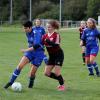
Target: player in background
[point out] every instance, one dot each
(81, 28)
(90, 37)
(56, 56)
(34, 54)
(38, 28)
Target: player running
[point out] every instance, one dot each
(56, 56)
(81, 28)
(38, 29)
(34, 54)
(90, 37)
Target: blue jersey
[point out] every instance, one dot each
(38, 33)
(35, 37)
(90, 37)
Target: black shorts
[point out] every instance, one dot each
(56, 58)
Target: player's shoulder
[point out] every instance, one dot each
(56, 33)
(45, 35)
(86, 29)
(41, 27)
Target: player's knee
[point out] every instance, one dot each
(91, 61)
(47, 74)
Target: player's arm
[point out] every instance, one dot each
(83, 39)
(98, 35)
(28, 49)
(81, 43)
(37, 42)
(34, 47)
(56, 43)
(51, 43)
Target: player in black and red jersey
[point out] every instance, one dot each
(56, 56)
(81, 28)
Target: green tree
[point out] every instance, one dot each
(93, 8)
(74, 9)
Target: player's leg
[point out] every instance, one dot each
(87, 61)
(60, 79)
(48, 71)
(89, 65)
(58, 65)
(36, 63)
(94, 64)
(17, 71)
(32, 75)
(83, 54)
(93, 55)
(48, 68)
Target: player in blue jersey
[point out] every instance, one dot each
(38, 29)
(90, 38)
(34, 54)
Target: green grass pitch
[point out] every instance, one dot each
(79, 85)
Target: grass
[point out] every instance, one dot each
(79, 85)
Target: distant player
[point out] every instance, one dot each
(90, 37)
(81, 28)
(56, 56)
(37, 28)
(34, 54)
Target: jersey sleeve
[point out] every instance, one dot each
(43, 31)
(57, 39)
(83, 37)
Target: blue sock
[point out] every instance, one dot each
(14, 75)
(96, 67)
(90, 68)
(45, 59)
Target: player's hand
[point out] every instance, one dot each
(81, 43)
(47, 40)
(23, 50)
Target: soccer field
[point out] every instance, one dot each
(79, 85)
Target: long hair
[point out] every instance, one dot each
(54, 24)
(93, 21)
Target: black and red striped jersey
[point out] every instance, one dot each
(55, 38)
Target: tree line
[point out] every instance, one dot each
(49, 9)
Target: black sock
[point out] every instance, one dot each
(59, 78)
(83, 56)
(31, 81)
(53, 75)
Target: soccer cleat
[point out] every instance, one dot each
(7, 85)
(91, 74)
(98, 74)
(31, 85)
(61, 88)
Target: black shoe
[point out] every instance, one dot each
(91, 74)
(84, 64)
(31, 82)
(30, 86)
(7, 85)
(98, 74)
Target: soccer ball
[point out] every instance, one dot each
(16, 86)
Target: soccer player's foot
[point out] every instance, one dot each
(7, 85)
(61, 88)
(91, 74)
(98, 74)
(83, 63)
(30, 85)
